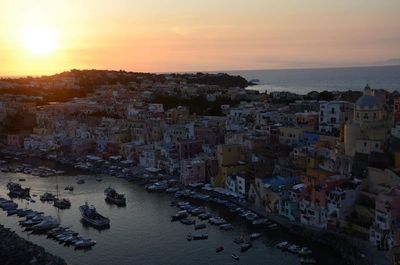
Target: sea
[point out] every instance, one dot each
(303, 81)
(142, 232)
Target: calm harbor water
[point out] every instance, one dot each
(302, 81)
(142, 233)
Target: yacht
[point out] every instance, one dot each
(92, 217)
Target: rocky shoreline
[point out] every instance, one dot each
(15, 250)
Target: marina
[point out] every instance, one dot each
(194, 210)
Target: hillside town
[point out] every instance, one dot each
(326, 160)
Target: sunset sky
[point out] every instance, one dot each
(48, 36)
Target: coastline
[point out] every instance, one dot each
(15, 250)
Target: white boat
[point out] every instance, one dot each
(85, 243)
(305, 251)
(255, 236)
(294, 249)
(235, 256)
(282, 245)
(47, 224)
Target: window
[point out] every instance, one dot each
(374, 115)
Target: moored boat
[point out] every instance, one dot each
(235, 256)
(245, 246)
(219, 249)
(200, 236)
(200, 226)
(16, 191)
(305, 251)
(62, 203)
(69, 187)
(92, 217)
(113, 196)
(282, 245)
(84, 243)
(254, 236)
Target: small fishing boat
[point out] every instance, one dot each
(200, 226)
(305, 251)
(282, 245)
(92, 217)
(69, 188)
(200, 236)
(235, 256)
(294, 249)
(254, 236)
(81, 181)
(85, 243)
(239, 240)
(189, 237)
(245, 246)
(219, 249)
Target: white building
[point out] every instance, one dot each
(236, 184)
(333, 115)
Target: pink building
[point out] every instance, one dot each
(193, 171)
(15, 140)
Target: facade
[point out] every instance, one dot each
(368, 129)
(193, 171)
(333, 115)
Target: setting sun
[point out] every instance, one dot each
(39, 41)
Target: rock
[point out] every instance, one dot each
(15, 250)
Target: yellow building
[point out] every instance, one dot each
(367, 131)
(231, 159)
(291, 135)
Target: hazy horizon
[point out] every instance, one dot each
(45, 37)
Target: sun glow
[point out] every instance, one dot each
(39, 41)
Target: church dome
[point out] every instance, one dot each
(367, 101)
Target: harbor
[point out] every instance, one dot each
(213, 225)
